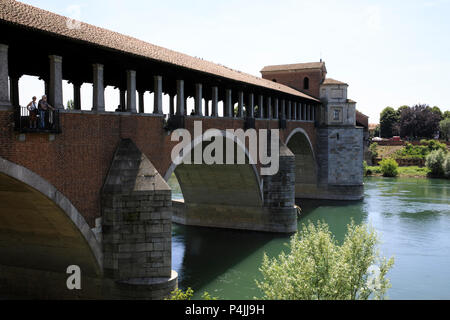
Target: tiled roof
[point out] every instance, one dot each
(296, 66)
(25, 15)
(332, 81)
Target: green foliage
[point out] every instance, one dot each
(446, 166)
(444, 127)
(389, 167)
(178, 294)
(434, 145)
(419, 151)
(446, 115)
(367, 171)
(388, 119)
(70, 105)
(374, 150)
(318, 268)
(435, 162)
(411, 171)
(437, 110)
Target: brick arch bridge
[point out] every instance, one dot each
(94, 181)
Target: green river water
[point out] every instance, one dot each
(411, 216)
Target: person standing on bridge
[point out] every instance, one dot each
(33, 109)
(44, 107)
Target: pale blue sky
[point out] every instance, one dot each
(390, 52)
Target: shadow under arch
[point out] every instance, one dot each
(40, 229)
(243, 180)
(306, 167)
(226, 196)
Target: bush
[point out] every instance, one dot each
(446, 166)
(435, 162)
(367, 171)
(178, 294)
(318, 268)
(374, 150)
(389, 167)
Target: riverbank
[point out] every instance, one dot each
(403, 172)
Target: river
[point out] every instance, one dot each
(411, 216)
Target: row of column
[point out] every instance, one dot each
(289, 110)
(268, 108)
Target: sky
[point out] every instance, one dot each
(391, 53)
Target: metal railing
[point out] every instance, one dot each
(27, 123)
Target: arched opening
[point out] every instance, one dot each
(217, 195)
(306, 83)
(41, 234)
(305, 163)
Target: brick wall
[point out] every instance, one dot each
(76, 162)
(294, 79)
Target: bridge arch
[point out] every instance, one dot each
(212, 192)
(40, 228)
(239, 144)
(306, 167)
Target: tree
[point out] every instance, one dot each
(388, 119)
(418, 121)
(318, 268)
(444, 127)
(446, 115)
(438, 112)
(70, 105)
(400, 110)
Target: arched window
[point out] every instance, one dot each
(306, 83)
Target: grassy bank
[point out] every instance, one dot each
(405, 172)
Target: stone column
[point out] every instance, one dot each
(141, 94)
(304, 112)
(283, 110)
(123, 100)
(240, 104)
(199, 99)
(99, 89)
(215, 102)
(131, 91)
(77, 95)
(206, 107)
(157, 97)
(299, 111)
(4, 93)
(294, 110)
(269, 108)
(313, 111)
(289, 110)
(276, 109)
(55, 97)
(14, 89)
(251, 106)
(180, 98)
(308, 113)
(261, 106)
(171, 104)
(228, 112)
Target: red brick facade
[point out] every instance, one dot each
(295, 79)
(77, 161)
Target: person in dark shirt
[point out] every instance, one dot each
(44, 108)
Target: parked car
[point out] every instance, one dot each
(396, 138)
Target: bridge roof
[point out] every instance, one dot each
(33, 18)
(294, 67)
